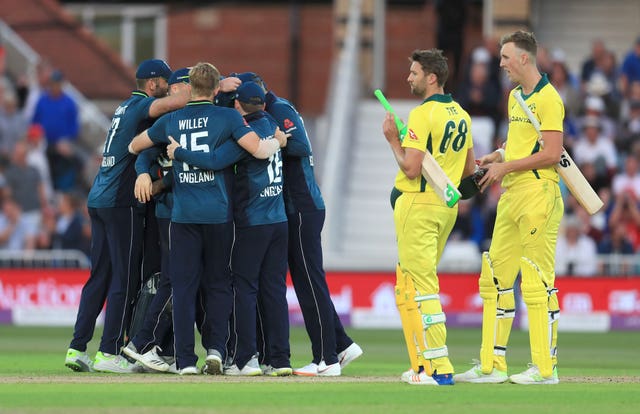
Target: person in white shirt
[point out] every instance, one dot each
(629, 179)
(576, 253)
(594, 147)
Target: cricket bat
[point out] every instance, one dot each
(570, 173)
(431, 170)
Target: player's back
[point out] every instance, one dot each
(442, 127)
(113, 185)
(257, 192)
(301, 191)
(201, 196)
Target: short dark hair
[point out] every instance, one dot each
(523, 40)
(432, 61)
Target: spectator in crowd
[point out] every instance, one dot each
(600, 86)
(628, 180)
(12, 123)
(625, 211)
(27, 189)
(633, 96)
(478, 93)
(12, 225)
(37, 157)
(590, 172)
(593, 147)
(616, 243)
(544, 59)
(30, 91)
(594, 226)
(57, 112)
(598, 49)
(630, 68)
(69, 225)
(594, 107)
(470, 223)
(560, 78)
(576, 253)
(629, 134)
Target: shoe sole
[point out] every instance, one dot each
(238, 374)
(214, 367)
(113, 371)
(150, 365)
(304, 374)
(78, 366)
(545, 382)
(482, 380)
(434, 383)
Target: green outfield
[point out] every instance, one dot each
(599, 373)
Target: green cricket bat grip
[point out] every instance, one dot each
(402, 128)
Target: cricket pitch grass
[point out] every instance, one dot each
(599, 373)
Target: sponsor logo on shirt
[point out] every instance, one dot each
(412, 135)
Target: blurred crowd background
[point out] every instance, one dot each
(45, 174)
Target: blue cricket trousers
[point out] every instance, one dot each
(116, 256)
(199, 258)
(259, 268)
(323, 325)
(157, 328)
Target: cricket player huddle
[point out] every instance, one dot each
(228, 165)
(529, 210)
(213, 177)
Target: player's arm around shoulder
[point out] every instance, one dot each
(140, 142)
(169, 103)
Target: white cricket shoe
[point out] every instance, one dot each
(476, 376)
(310, 370)
(532, 376)
(112, 363)
(332, 370)
(251, 369)
(410, 377)
(131, 351)
(189, 371)
(78, 361)
(347, 356)
(277, 372)
(154, 361)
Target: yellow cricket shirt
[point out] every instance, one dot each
(522, 138)
(439, 125)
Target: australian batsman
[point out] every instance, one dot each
(526, 228)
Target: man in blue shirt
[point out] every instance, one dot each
(332, 348)
(259, 257)
(57, 112)
(201, 232)
(117, 225)
(156, 332)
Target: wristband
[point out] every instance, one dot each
(501, 152)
